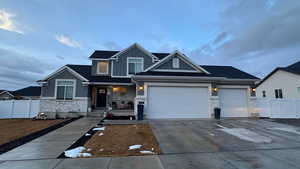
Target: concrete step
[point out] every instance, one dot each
(95, 114)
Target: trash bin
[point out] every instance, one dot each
(217, 113)
(140, 111)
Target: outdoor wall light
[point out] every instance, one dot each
(141, 87)
(215, 89)
(253, 89)
(115, 89)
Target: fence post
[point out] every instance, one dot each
(30, 105)
(12, 108)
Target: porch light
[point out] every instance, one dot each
(253, 89)
(215, 89)
(115, 89)
(141, 87)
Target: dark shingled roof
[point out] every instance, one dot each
(215, 71)
(28, 91)
(105, 54)
(293, 68)
(85, 71)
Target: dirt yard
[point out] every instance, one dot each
(116, 140)
(11, 129)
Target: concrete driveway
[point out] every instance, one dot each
(204, 144)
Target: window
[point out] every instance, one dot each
(263, 93)
(175, 63)
(65, 89)
(134, 65)
(278, 93)
(102, 67)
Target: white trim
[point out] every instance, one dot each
(233, 86)
(107, 68)
(102, 59)
(127, 63)
(69, 69)
(154, 58)
(108, 83)
(53, 98)
(175, 70)
(74, 87)
(5, 91)
(184, 58)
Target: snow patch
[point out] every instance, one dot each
(146, 152)
(220, 126)
(290, 130)
(99, 129)
(133, 147)
(247, 135)
(101, 134)
(77, 152)
(87, 134)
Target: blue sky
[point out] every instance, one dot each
(37, 37)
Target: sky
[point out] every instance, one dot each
(38, 37)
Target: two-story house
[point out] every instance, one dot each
(170, 85)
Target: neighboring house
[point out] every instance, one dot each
(169, 85)
(5, 95)
(281, 83)
(31, 92)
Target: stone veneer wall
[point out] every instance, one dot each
(52, 105)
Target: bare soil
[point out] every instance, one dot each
(11, 129)
(116, 140)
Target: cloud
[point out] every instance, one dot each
(6, 22)
(20, 69)
(67, 41)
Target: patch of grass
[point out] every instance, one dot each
(116, 140)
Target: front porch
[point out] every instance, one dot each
(115, 99)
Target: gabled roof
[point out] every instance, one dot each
(6, 91)
(180, 55)
(85, 71)
(215, 71)
(293, 68)
(28, 91)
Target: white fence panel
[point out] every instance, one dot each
(278, 108)
(6, 109)
(19, 108)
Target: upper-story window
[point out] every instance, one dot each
(134, 65)
(278, 94)
(175, 62)
(65, 89)
(102, 67)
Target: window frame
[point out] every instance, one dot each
(142, 62)
(98, 68)
(74, 88)
(175, 63)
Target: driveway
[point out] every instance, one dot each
(205, 144)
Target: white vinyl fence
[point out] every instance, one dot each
(19, 108)
(278, 108)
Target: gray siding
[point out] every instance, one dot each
(120, 65)
(49, 88)
(94, 68)
(169, 65)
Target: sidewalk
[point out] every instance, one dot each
(51, 145)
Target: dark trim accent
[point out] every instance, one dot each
(20, 141)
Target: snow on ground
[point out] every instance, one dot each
(220, 126)
(99, 129)
(146, 152)
(247, 135)
(133, 147)
(100, 134)
(87, 134)
(77, 152)
(290, 129)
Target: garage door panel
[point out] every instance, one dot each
(233, 102)
(177, 102)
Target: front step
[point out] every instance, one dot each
(95, 114)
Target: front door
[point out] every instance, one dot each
(101, 97)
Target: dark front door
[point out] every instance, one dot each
(101, 97)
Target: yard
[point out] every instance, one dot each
(115, 140)
(11, 129)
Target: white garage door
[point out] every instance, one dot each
(177, 102)
(233, 102)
